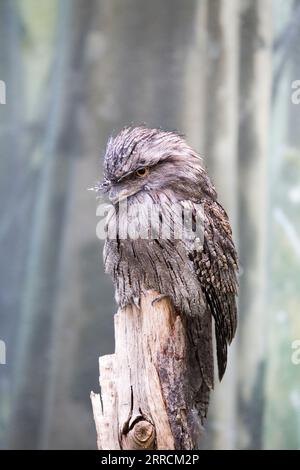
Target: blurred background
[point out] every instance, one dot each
(224, 73)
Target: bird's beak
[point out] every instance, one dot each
(119, 194)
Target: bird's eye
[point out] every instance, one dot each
(142, 172)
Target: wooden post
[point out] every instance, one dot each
(146, 401)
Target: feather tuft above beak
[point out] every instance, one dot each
(100, 187)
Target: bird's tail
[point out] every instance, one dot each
(200, 350)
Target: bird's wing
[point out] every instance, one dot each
(207, 237)
(216, 266)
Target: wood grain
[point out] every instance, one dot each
(146, 401)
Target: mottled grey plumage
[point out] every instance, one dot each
(197, 272)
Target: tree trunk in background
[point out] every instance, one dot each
(255, 87)
(221, 73)
(84, 312)
(67, 315)
(282, 423)
(13, 210)
(40, 291)
(193, 120)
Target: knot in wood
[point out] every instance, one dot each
(141, 436)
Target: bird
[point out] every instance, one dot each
(155, 171)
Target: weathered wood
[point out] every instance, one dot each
(146, 399)
(104, 407)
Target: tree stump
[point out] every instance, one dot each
(146, 399)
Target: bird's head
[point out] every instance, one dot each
(141, 159)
